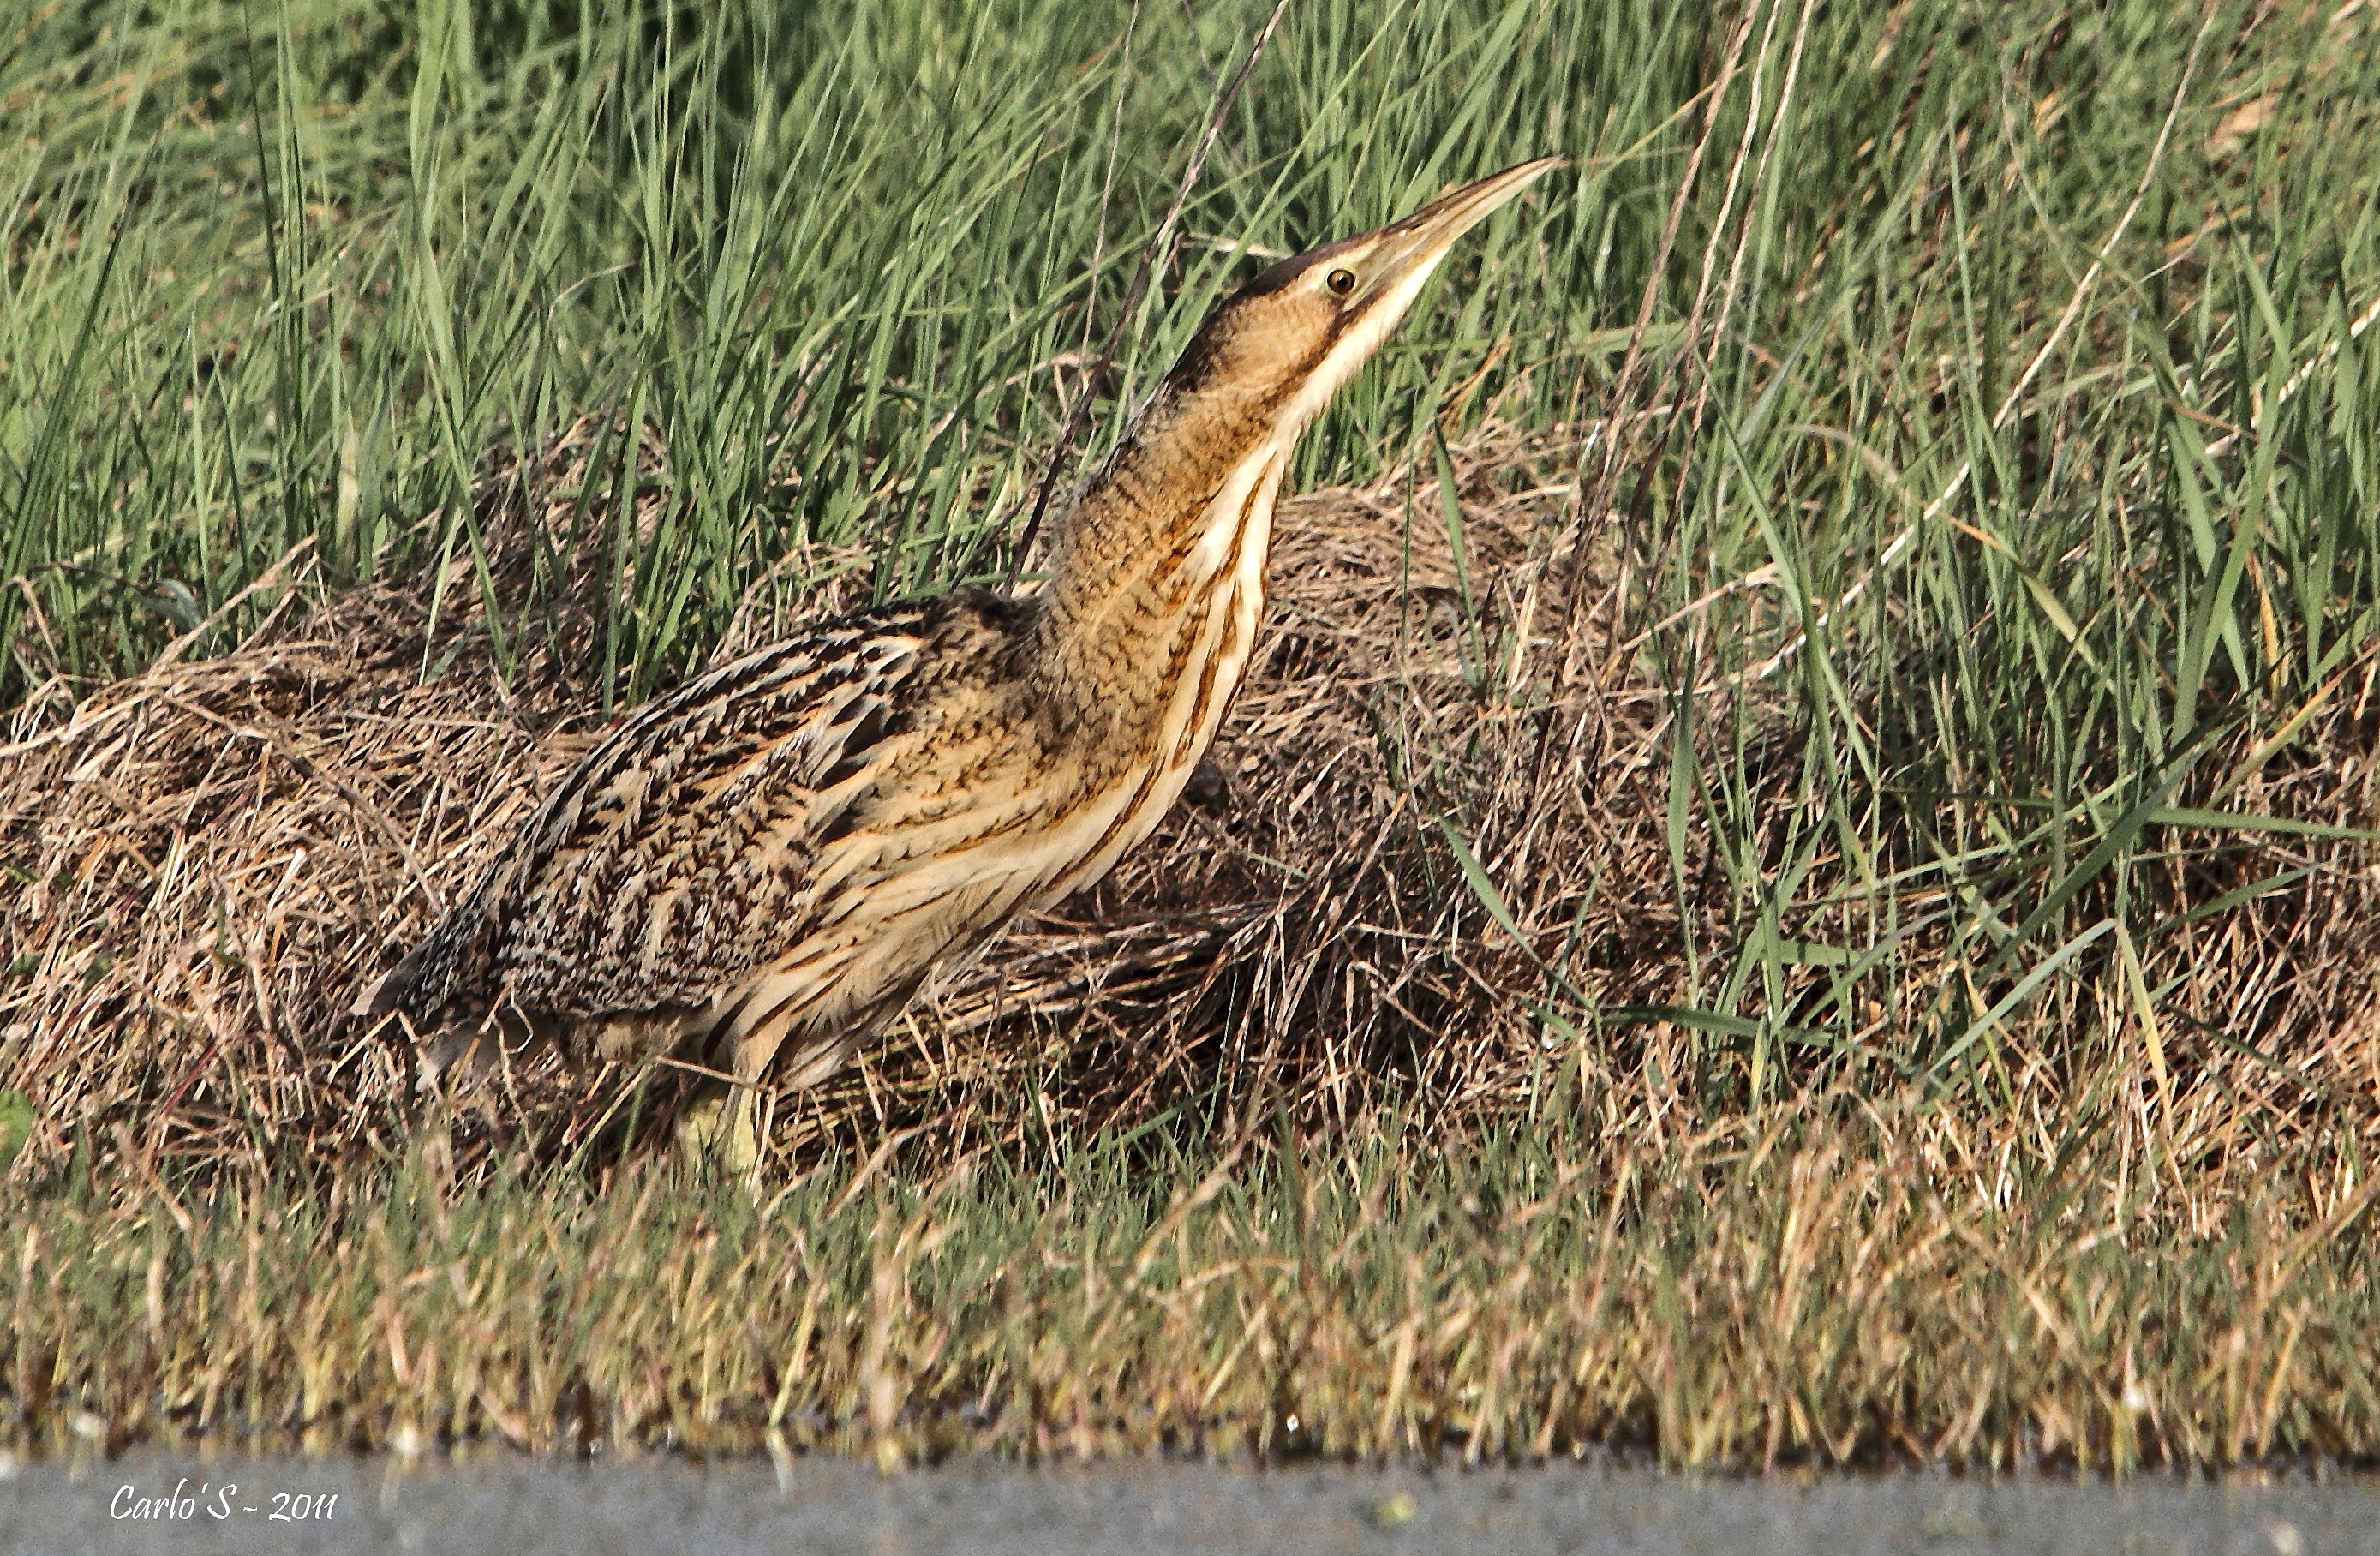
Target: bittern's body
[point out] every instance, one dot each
(757, 871)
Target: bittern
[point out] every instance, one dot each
(756, 872)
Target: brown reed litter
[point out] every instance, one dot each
(217, 855)
(214, 857)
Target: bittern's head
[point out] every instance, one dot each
(1288, 339)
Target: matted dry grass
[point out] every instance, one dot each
(216, 856)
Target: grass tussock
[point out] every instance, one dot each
(315, 803)
(1794, 879)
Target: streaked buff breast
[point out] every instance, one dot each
(1227, 601)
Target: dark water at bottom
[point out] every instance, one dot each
(190, 1507)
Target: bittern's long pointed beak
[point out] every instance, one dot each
(1420, 240)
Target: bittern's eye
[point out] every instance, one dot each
(1340, 282)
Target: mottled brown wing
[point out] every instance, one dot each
(675, 859)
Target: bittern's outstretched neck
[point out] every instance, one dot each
(1159, 567)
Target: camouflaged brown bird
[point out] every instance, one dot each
(756, 873)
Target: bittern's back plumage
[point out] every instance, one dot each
(756, 870)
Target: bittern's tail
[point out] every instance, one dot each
(421, 987)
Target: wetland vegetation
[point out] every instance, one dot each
(1794, 883)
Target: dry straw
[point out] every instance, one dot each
(217, 855)
(1384, 894)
